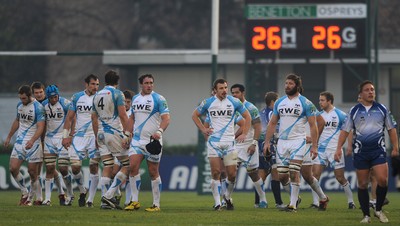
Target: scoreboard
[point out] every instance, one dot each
(314, 29)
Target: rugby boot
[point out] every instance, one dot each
(23, 199)
(110, 202)
(298, 201)
(217, 208)
(154, 208)
(229, 203)
(133, 205)
(323, 204)
(366, 220)
(46, 203)
(263, 205)
(62, 199)
(381, 216)
(290, 208)
(82, 199)
(352, 206)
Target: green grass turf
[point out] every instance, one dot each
(188, 208)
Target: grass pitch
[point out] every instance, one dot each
(188, 208)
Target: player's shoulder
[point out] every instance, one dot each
(380, 106)
(119, 92)
(77, 95)
(115, 92)
(104, 90)
(110, 89)
(37, 104)
(263, 110)
(158, 96)
(339, 111)
(208, 101)
(248, 104)
(268, 111)
(136, 96)
(305, 100)
(281, 99)
(64, 101)
(45, 102)
(355, 108)
(251, 107)
(233, 99)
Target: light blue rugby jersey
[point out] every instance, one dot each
(254, 114)
(28, 116)
(105, 104)
(264, 121)
(55, 116)
(330, 135)
(238, 118)
(147, 110)
(293, 115)
(222, 116)
(82, 104)
(369, 127)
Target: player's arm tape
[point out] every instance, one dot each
(66, 133)
(255, 142)
(160, 131)
(127, 133)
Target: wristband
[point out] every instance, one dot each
(255, 142)
(65, 133)
(160, 131)
(127, 133)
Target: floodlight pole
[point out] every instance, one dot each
(214, 39)
(201, 147)
(369, 38)
(376, 48)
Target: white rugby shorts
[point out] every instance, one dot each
(35, 154)
(54, 146)
(83, 147)
(111, 144)
(224, 150)
(328, 157)
(288, 150)
(139, 148)
(248, 161)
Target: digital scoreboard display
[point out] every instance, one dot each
(292, 29)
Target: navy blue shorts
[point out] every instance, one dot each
(366, 160)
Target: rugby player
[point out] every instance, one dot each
(222, 108)
(82, 139)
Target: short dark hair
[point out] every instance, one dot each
(218, 81)
(297, 81)
(142, 77)
(240, 86)
(270, 96)
(111, 78)
(25, 89)
(361, 85)
(36, 85)
(328, 96)
(90, 77)
(128, 94)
